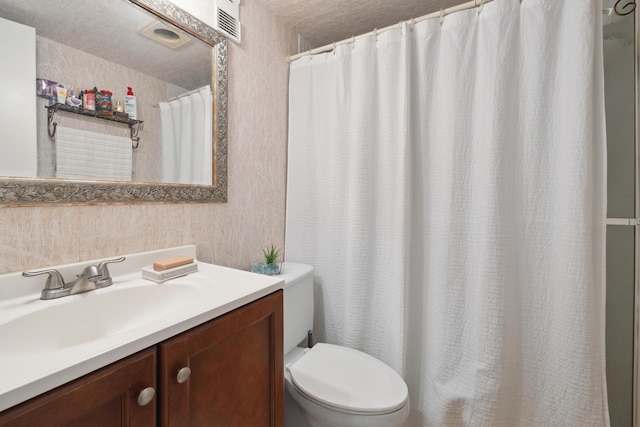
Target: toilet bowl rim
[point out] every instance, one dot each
(325, 405)
(396, 404)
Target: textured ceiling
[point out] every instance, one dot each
(322, 22)
(107, 29)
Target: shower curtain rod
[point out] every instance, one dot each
(617, 9)
(182, 95)
(440, 14)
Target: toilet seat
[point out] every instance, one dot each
(348, 380)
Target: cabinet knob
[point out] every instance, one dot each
(183, 375)
(146, 396)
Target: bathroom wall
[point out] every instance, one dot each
(231, 233)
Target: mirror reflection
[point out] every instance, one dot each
(159, 130)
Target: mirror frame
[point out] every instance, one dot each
(52, 191)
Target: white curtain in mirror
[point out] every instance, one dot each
(187, 156)
(446, 182)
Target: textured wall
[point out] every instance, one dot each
(230, 234)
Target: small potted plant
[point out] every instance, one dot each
(270, 265)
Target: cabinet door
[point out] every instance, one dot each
(236, 364)
(105, 398)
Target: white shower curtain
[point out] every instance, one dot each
(187, 150)
(446, 182)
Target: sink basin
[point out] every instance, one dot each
(83, 318)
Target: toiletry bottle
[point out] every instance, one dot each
(130, 105)
(62, 93)
(89, 100)
(103, 103)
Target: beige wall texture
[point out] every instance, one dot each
(232, 233)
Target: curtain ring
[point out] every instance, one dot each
(353, 42)
(375, 33)
(480, 7)
(441, 16)
(334, 48)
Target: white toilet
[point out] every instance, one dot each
(333, 385)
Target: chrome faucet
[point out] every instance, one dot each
(92, 277)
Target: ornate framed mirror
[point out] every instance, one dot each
(52, 190)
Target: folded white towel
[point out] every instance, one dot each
(82, 154)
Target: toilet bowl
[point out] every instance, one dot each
(331, 385)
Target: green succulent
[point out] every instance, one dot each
(271, 254)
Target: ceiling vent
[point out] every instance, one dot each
(164, 34)
(228, 18)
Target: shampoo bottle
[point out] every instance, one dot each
(130, 105)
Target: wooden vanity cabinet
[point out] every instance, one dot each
(236, 379)
(236, 364)
(107, 397)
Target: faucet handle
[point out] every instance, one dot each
(104, 271)
(54, 281)
(105, 277)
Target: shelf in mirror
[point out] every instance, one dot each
(135, 126)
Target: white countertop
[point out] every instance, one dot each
(26, 375)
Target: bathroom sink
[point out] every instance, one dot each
(84, 318)
(47, 343)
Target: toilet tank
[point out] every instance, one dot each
(298, 302)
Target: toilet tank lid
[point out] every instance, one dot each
(293, 272)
